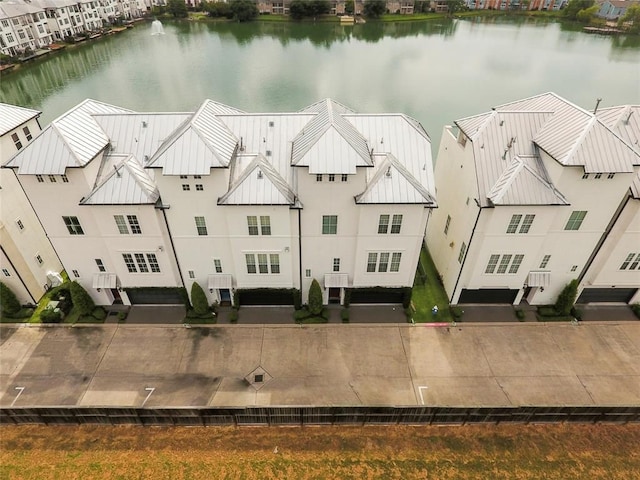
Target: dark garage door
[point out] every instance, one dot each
(154, 296)
(488, 295)
(265, 296)
(622, 295)
(382, 295)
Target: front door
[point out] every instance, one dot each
(334, 295)
(117, 299)
(225, 297)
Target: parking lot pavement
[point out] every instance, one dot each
(356, 364)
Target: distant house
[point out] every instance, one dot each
(614, 9)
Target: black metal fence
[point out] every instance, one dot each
(307, 415)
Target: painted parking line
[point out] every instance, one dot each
(420, 388)
(150, 390)
(18, 395)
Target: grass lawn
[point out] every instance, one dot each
(431, 293)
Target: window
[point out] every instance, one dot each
(332, 177)
(6, 272)
(73, 225)
(153, 262)
(329, 224)
(574, 268)
(142, 263)
(20, 224)
(307, 273)
(446, 225)
(631, 262)
(395, 261)
(101, 267)
(40, 178)
(64, 178)
(318, 178)
(252, 224)
(122, 225)
(463, 249)
(585, 176)
(372, 260)
(513, 224)
(504, 263)
(192, 274)
(199, 187)
(598, 175)
(133, 223)
(384, 262)
(263, 266)
(265, 225)
(16, 141)
(186, 187)
(251, 262)
(575, 220)
(197, 177)
(201, 225)
(183, 177)
(76, 273)
(274, 258)
(396, 224)
(217, 265)
(383, 224)
(526, 223)
(39, 259)
(336, 264)
(545, 261)
(611, 175)
(344, 177)
(128, 260)
(27, 133)
(52, 178)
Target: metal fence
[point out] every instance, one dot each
(308, 415)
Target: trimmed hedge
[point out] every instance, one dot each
(199, 299)
(315, 298)
(82, 301)
(8, 300)
(344, 315)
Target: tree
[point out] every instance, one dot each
(8, 300)
(586, 15)
(244, 10)
(632, 16)
(315, 298)
(374, 8)
(567, 298)
(177, 8)
(574, 6)
(199, 299)
(218, 9)
(82, 301)
(348, 7)
(297, 9)
(454, 6)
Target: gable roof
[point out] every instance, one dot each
(201, 143)
(71, 140)
(127, 184)
(625, 121)
(259, 184)
(328, 129)
(12, 116)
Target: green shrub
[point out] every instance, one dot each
(635, 308)
(82, 301)
(301, 314)
(576, 313)
(520, 313)
(567, 298)
(325, 313)
(344, 315)
(297, 299)
(547, 311)
(199, 299)
(347, 298)
(8, 300)
(215, 306)
(99, 313)
(236, 299)
(122, 316)
(48, 315)
(315, 298)
(233, 316)
(457, 312)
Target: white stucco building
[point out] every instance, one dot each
(532, 195)
(26, 255)
(232, 200)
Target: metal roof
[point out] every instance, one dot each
(328, 128)
(71, 140)
(258, 184)
(127, 184)
(625, 121)
(321, 105)
(11, 117)
(202, 143)
(10, 9)
(104, 280)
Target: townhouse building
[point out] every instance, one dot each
(26, 255)
(614, 9)
(543, 189)
(23, 28)
(232, 200)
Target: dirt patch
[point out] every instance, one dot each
(470, 452)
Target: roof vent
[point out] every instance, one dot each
(271, 124)
(241, 145)
(268, 153)
(117, 171)
(264, 139)
(260, 174)
(598, 100)
(146, 158)
(388, 174)
(501, 122)
(382, 140)
(144, 124)
(626, 122)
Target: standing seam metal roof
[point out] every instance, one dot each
(11, 117)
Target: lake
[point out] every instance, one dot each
(436, 71)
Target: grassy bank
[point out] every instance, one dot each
(395, 452)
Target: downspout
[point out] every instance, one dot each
(473, 231)
(18, 273)
(162, 208)
(300, 249)
(604, 236)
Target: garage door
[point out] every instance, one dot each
(488, 295)
(155, 296)
(265, 296)
(382, 295)
(618, 295)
